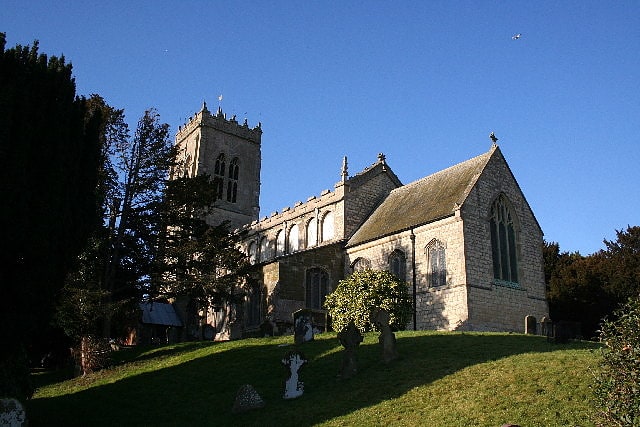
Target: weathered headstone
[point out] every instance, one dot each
(268, 328)
(387, 339)
(530, 325)
(350, 338)
(247, 399)
(12, 413)
(302, 326)
(293, 361)
(546, 326)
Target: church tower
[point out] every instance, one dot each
(230, 153)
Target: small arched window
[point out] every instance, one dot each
(436, 259)
(317, 287)
(503, 241)
(397, 264)
(327, 227)
(293, 238)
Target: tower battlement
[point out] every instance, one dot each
(219, 121)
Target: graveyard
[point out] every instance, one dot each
(433, 378)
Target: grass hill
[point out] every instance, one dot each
(442, 379)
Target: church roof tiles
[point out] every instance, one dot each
(423, 201)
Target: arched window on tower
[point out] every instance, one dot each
(397, 264)
(327, 227)
(232, 184)
(317, 287)
(218, 175)
(503, 241)
(293, 238)
(436, 259)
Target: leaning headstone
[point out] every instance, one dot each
(247, 399)
(530, 325)
(12, 413)
(387, 339)
(302, 326)
(293, 362)
(350, 338)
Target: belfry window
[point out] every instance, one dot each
(232, 184)
(436, 258)
(218, 176)
(317, 284)
(503, 241)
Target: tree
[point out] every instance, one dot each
(363, 291)
(622, 264)
(617, 385)
(50, 150)
(196, 260)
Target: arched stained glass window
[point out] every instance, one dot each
(503, 241)
(436, 258)
(397, 264)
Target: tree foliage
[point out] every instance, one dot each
(196, 260)
(50, 152)
(358, 295)
(588, 288)
(617, 387)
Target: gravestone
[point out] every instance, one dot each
(12, 413)
(546, 326)
(350, 338)
(268, 328)
(247, 399)
(293, 361)
(302, 326)
(530, 325)
(387, 339)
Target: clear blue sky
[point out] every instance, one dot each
(423, 82)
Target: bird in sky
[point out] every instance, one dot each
(516, 36)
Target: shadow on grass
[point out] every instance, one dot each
(202, 391)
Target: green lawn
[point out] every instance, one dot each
(442, 379)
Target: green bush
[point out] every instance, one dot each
(361, 292)
(617, 388)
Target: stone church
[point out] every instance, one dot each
(464, 239)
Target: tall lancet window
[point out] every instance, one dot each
(437, 263)
(503, 241)
(218, 175)
(232, 184)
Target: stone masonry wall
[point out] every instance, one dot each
(492, 306)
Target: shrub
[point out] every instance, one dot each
(361, 292)
(617, 388)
